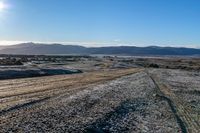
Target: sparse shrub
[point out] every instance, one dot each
(154, 65)
(9, 61)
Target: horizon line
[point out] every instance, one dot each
(95, 44)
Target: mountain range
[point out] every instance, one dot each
(40, 49)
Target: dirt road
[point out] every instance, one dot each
(106, 101)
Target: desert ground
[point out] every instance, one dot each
(100, 94)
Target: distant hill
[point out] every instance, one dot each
(34, 49)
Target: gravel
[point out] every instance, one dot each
(127, 104)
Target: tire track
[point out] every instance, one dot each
(3, 112)
(125, 105)
(56, 88)
(181, 110)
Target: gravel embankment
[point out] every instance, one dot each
(127, 104)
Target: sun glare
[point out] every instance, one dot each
(2, 6)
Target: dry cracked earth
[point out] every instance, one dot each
(129, 100)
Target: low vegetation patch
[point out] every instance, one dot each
(10, 62)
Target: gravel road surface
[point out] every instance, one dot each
(125, 104)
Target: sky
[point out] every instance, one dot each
(101, 22)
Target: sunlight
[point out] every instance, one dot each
(2, 6)
(3, 10)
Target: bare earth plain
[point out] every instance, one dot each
(134, 99)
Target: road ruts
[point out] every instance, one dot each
(20, 92)
(125, 104)
(188, 121)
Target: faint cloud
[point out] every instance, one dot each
(117, 40)
(6, 43)
(86, 44)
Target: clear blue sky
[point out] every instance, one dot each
(133, 22)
